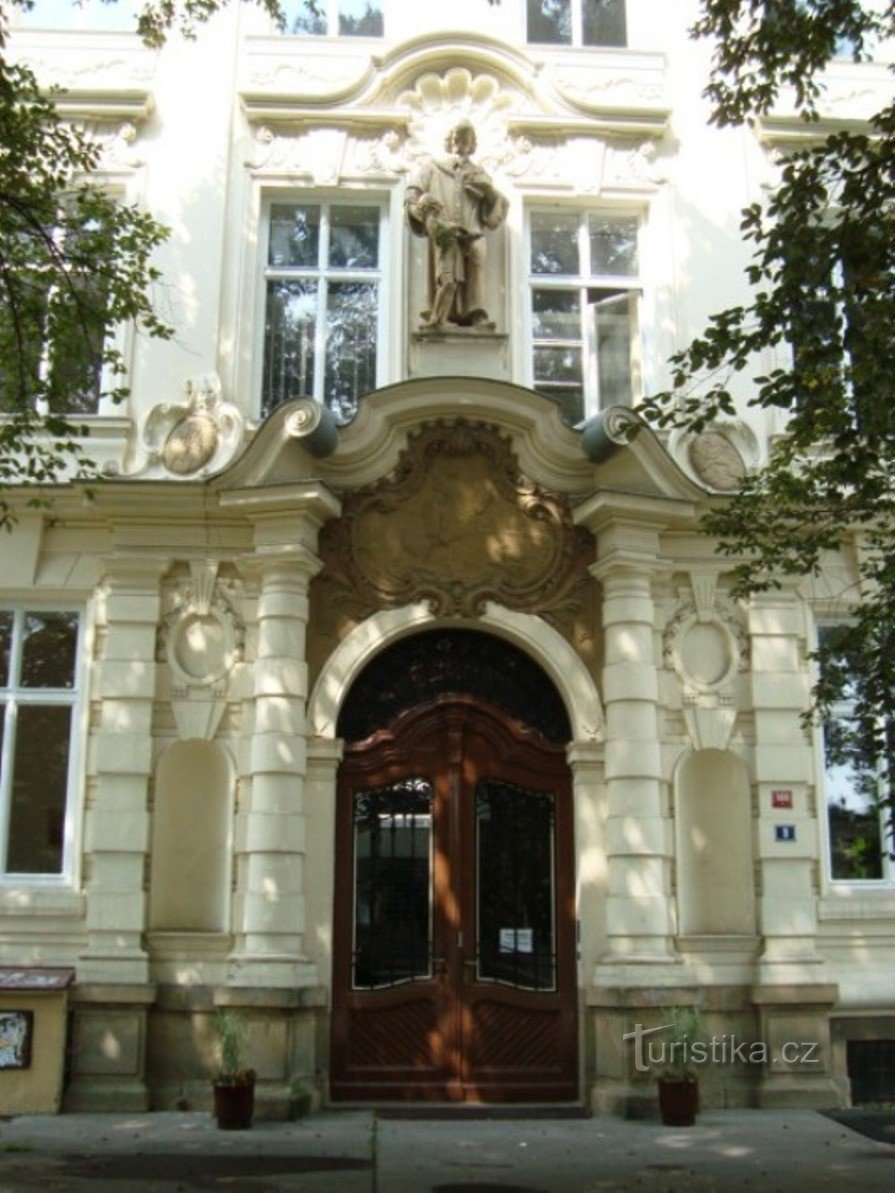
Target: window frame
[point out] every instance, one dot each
(841, 710)
(326, 199)
(584, 282)
(15, 694)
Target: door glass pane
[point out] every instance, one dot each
(288, 342)
(294, 236)
(550, 21)
(354, 238)
(603, 22)
(39, 784)
(350, 346)
(514, 831)
(48, 650)
(392, 884)
(554, 242)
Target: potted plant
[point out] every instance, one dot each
(678, 1081)
(234, 1086)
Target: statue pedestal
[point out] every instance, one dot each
(459, 352)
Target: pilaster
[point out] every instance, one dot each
(787, 844)
(117, 817)
(639, 928)
(269, 905)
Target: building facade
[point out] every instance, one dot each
(388, 690)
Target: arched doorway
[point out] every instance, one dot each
(454, 971)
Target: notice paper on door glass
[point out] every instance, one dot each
(516, 940)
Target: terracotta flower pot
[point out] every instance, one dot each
(234, 1105)
(678, 1101)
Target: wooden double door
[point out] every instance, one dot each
(454, 931)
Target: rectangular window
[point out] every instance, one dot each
(38, 665)
(58, 333)
(856, 816)
(583, 286)
(342, 18)
(323, 280)
(577, 22)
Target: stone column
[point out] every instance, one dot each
(269, 910)
(638, 906)
(113, 993)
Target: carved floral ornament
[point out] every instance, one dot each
(458, 525)
(568, 159)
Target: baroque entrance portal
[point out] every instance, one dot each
(454, 950)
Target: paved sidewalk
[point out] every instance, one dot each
(355, 1152)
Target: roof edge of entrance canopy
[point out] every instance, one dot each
(299, 441)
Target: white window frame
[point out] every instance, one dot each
(841, 711)
(326, 200)
(577, 36)
(331, 9)
(14, 696)
(585, 281)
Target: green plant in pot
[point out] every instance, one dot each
(234, 1086)
(678, 1081)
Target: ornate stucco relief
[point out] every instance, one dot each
(189, 440)
(720, 457)
(117, 144)
(706, 643)
(456, 525)
(516, 142)
(201, 639)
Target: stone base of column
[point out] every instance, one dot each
(117, 967)
(638, 971)
(794, 1025)
(108, 1048)
(279, 970)
(792, 967)
(283, 1030)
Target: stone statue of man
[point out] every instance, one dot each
(453, 202)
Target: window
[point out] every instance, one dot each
(322, 309)
(856, 816)
(577, 22)
(347, 18)
(583, 284)
(53, 322)
(839, 319)
(38, 664)
(85, 14)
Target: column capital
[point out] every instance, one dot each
(625, 548)
(285, 515)
(277, 563)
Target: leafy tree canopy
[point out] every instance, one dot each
(822, 306)
(75, 264)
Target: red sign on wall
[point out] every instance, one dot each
(781, 799)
